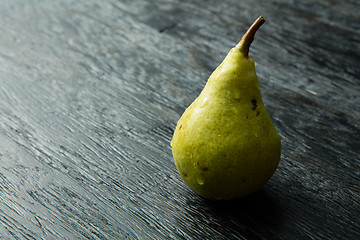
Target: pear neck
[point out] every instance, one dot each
(248, 38)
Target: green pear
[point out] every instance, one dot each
(225, 145)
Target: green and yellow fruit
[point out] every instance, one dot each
(225, 145)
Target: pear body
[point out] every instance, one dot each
(225, 145)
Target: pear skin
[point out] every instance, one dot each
(225, 145)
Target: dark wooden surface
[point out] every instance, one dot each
(90, 92)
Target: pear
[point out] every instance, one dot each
(225, 145)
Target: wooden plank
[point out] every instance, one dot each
(90, 92)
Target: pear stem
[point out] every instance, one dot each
(248, 37)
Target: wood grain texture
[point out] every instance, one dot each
(90, 92)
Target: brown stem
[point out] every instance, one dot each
(248, 37)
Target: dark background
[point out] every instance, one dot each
(90, 92)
